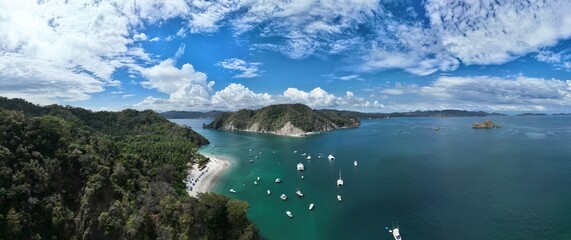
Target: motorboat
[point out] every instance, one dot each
(288, 213)
(396, 233)
(269, 192)
(299, 193)
(340, 180)
(355, 163)
(339, 198)
(255, 182)
(278, 180)
(258, 178)
(232, 190)
(302, 177)
(300, 167)
(251, 161)
(331, 157)
(308, 157)
(283, 197)
(311, 206)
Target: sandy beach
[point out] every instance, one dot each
(198, 181)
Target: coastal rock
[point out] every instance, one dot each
(485, 125)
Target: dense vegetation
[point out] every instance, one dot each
(69, 173)
(274, 117)
(189, 114)
(485, 125)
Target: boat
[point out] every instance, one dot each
(294, 151)
(339, 198)
(319, 156)
(232, 190)
(311, 206)
(355, 163)
(331, 157)
(258, 179)
(288, 213)
(300, 167)
(302, 177)
(250, 149)
(256, 157)
(283, 197)
(255, 182)
(308, 157)
(340, 180)
(268, 191)
(303, 154)
(299, 193)
(251, 161)
(396, 233)
(278, 180)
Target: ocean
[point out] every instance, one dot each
(456, 183)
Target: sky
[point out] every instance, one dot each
(504, 56)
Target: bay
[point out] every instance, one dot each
(454, 183)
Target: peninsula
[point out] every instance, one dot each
(283, 119)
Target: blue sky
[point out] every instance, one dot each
(372, 56)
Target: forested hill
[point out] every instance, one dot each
(189, 114)
(282, 119)
(69, 173)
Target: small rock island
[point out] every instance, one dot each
(283, 119)
(485, 125)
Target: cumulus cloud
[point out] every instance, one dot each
(246, 69)
(561, 60)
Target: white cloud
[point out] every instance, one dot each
(561, 60)
(180, 51)
(246, 69)
(140, 37)
(167, 78)
(319, 98)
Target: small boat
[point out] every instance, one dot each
(299, 193)
(232, 190)
(294, 151)
(260, 153)
(274, 152)
(303, 154)
(396, 233)
(340, 180)
(251, 161)
(268, 191)
(339, 198)
(311, 206)
(308, 157)
(288, 213)
(300, 167)
(355, 163)
(278, 180)
(255, 182)
(331, 157)
(258, 179)
(250, 149)
(319, 156)
(302, 177)
(283, 197)
(256, 157)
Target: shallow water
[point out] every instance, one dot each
(455, 183)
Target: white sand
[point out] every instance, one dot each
(204, 180)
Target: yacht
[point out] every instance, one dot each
(232, 190)
(283, 197)
(269, 193)
(288, 213)
(340, 180)
(355, 163)
(278, 180)
(339, 198)
(299, 193)
(331, 157)
(300, 167)
(311, 206)
(396, 233)
(308, 157)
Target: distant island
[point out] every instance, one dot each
(485, 125)
(532, 114)
(351, 114)
(283, 119)
(561, 114)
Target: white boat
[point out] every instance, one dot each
(331, 157)
(303, 154)
(308, 157)
(340, 180)
(294, 151)
(278, 180)
(255, 182)
(251, 161)
(311, 206)
(319, 156)
(339, 198)
(288, 213)
(256, 157)
(232, 190)
(283, 197)
(301, 177)
(269, 192)
(300, 167)
(250, 149)
(396, 234)
(355, 163)
(299, 193)
(258, 179)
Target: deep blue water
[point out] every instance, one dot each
(456, 183)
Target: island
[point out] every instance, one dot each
(531, 114)
(283, 119)
(485, 125)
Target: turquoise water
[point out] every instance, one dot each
(456, 183)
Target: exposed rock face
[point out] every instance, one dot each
(283, 119)
(485, 125)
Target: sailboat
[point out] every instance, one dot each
(340, 180)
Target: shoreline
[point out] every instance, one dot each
(200, 181)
